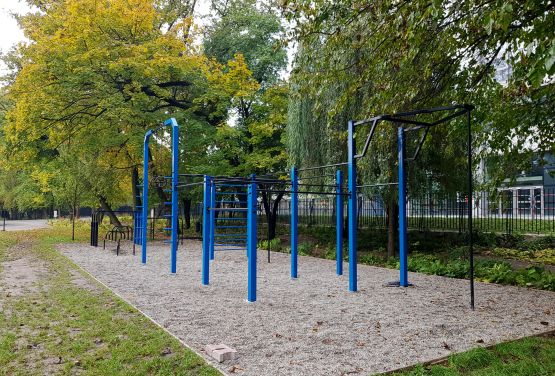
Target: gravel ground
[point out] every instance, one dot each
(313, 325)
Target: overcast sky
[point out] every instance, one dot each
(10, 33)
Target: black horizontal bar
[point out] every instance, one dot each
(376, 185)
(299, 192)
(321, 167)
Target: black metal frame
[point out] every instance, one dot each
(401, 117)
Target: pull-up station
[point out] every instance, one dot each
(416, 125)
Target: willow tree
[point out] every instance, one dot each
(358, 59)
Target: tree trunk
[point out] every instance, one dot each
(271, 212)
(392, 225)
(187, 211)
(109, 212)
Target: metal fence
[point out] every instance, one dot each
(523, 210)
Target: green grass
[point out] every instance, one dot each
(534, 356)
(64, 328)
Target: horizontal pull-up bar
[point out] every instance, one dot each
(321, 167)
(306, 192)
(376, 185)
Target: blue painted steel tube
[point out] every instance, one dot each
(175, 199)
(403, 273)
(294, 221)
(206, 231)
(339, 223)
(212, 218)
(252, 241)
(352, 207)
(144, 217)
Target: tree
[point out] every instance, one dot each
(255, 143)
(360, 59)
(98, 74)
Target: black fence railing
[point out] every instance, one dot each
(522, 210)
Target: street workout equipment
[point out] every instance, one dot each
(230, 225)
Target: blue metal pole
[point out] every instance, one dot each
(352, 187)
(251, 241)
(144, 217)
(339, 223)
(212, 218)
(175, 199)
(206, 231)
(403, 277)
(294, 221)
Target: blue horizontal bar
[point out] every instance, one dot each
(230, 244)
(167, 228)
(168, 190)
(167, 203)
(232, 185)
(233, 202)
(230, 249)
(231, 193)
(230, 226)
(139, 206)
(231, 219)
(239, 236)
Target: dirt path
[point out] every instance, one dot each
(516, 264)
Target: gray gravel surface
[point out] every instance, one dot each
(313, 325)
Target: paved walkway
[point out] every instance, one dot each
(24, 224)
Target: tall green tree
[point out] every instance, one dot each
(97, 74)
(359, 59)
(252, 140)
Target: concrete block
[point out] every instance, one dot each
(220, 352)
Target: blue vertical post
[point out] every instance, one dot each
(251, 241)
(339, 223)
(212, 217)
(294, 221)
(352, 208)
(175, 199)
(206, 230)
(144, 216)
(403, 273)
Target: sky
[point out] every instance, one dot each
(10, 33)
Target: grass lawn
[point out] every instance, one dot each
(534, 356)
(65, 323)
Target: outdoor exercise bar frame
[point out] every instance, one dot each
(174, 193)
(402, 118)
